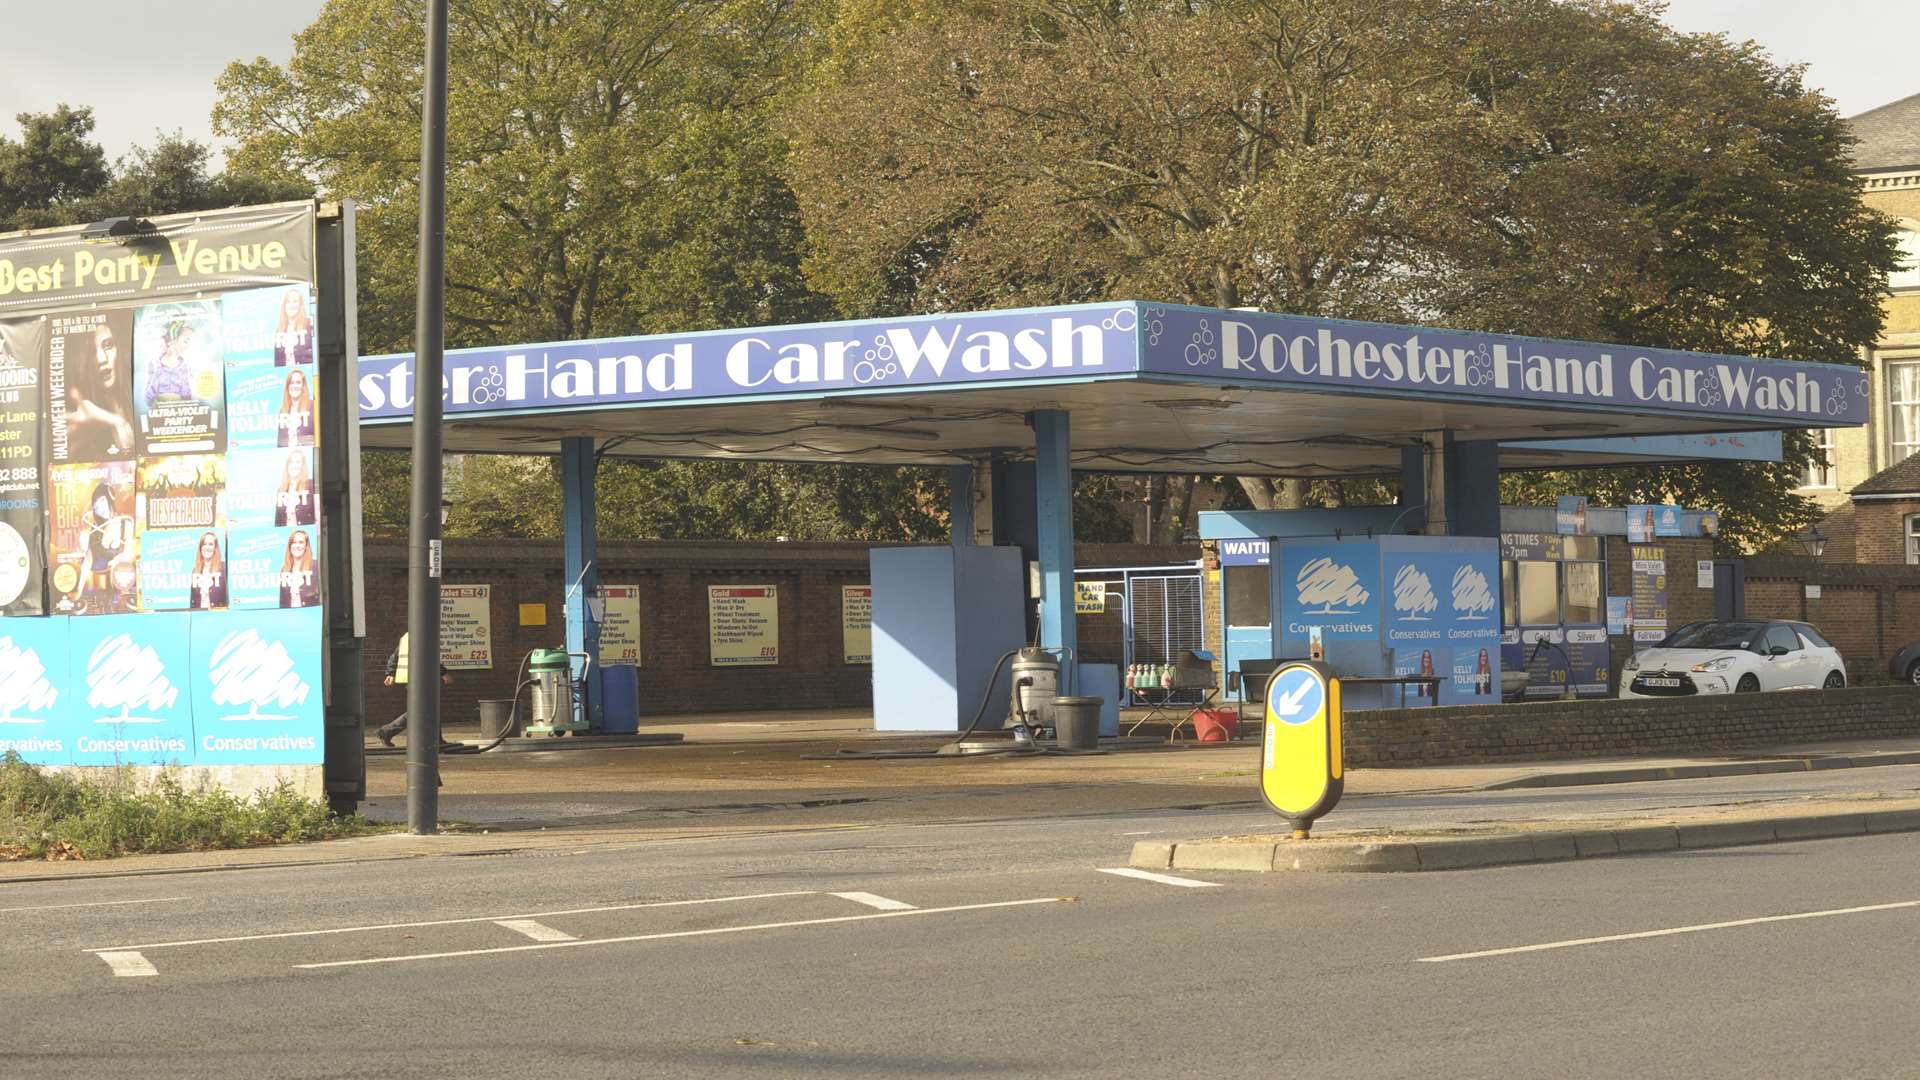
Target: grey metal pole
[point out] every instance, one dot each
(423, 545)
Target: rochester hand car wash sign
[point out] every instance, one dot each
(1119, 340)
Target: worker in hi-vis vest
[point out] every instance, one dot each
(397, 673)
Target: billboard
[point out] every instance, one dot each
(159, 572)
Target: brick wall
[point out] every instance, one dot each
(1879, 530)
(1479, 733)
(1869, 611)
(675, 673)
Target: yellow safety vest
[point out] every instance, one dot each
(400, 664)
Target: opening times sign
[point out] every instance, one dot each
(743, 625)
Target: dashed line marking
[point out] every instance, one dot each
(1668, 932)
(128, 965)
(535, 930)
(96, 903)
(683, 933)
(449, 922)
(1162, 879)
(873, 901)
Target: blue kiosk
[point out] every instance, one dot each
(1015, 401)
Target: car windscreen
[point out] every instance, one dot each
(1714, 635)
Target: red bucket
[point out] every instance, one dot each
(1215, 725)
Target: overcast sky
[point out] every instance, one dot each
(147, 65)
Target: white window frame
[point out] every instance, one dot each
(1820, 473)
(1898, 451)
(1907, 277)
(1910, 528)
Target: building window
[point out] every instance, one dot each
(1819, 470)
(1907, 275)
(1913, 539)
(1903, 405)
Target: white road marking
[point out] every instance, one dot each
(536, 931)
(1669, 932)
(684, 933)
(96, 903)
(873, 901)
(1164, 879)
(448, 922)
(128, 964)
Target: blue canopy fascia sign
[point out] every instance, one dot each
(1124, 339)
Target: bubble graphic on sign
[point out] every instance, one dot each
(1121, 320)
(1480, 367)
(490, 387)
(1156, 325)
(1709, 389)
(1201, 350)
(875, 364)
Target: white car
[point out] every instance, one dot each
(1734, 657)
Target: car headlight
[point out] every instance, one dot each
(1718, 663)
(1632, 663)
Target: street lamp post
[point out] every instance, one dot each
(1813, 542)
(423, 546)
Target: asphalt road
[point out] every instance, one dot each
(997, 949)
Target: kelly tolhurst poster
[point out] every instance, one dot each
(268, 327)
(271, 406)
(23, 345)
(89, 400)
(183, 492)
(271, 487)
(93, 556)
(272, 568)
(183, 569)
(179, 378)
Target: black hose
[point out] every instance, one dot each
(513, 715)
(986, 698)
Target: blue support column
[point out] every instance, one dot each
(1053, 506)
(578, 464)
(960, 503)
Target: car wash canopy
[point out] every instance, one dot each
(1150, 387)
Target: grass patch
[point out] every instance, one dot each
(54, 815)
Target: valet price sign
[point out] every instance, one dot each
(159, 564)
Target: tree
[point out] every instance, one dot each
(1568, 169)
(54, 163)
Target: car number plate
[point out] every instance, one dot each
(1651, 681)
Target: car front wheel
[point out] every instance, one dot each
(1748, 684)
(1913, 673)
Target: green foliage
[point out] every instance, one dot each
(55, 163)
(46, 814)
(1564, 169)
(56, 175)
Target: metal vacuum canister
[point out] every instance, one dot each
(1036, 682)
(552, 695)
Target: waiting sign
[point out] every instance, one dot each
(743, 624)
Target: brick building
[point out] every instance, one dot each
(1887, 161)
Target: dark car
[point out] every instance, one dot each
(1905, 665)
